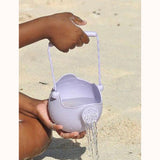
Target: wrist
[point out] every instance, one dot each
(34, 106)
(39, 106)
(50, 26)
(32, 31)
(42, 26)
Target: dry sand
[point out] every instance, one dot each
(118, 26)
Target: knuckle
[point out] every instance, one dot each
(72, 47)
(65, 50)
(87, 40)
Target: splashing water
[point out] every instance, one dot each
(90, 118)
(91, 130)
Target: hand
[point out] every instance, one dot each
(64, 33)
(42, 113)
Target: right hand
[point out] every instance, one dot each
(43, 116)
(64, 33)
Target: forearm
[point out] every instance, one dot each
(27, 105)
(32, 31)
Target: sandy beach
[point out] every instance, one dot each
(118, 26)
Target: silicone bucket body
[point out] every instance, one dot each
(72, 98)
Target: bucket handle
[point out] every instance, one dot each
(89, 34)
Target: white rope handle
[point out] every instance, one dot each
(89, 34)
(51, 65)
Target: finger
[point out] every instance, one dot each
(78, 20)
(64, 50)
(84, 38)
(66, 135)
(72, 46)
(81, 135)
(45, 119)
(55, 127)
(79, 43)
(78, 137)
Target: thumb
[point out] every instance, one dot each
(78, 21)
(53, 126)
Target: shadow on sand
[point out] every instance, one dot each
(63, 149)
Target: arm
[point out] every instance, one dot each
(39, 109)
(27, 105)
(32, 31)
(61, 29)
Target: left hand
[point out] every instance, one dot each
(63, 31)
(42, 113)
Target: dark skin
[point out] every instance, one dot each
(62, 31)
